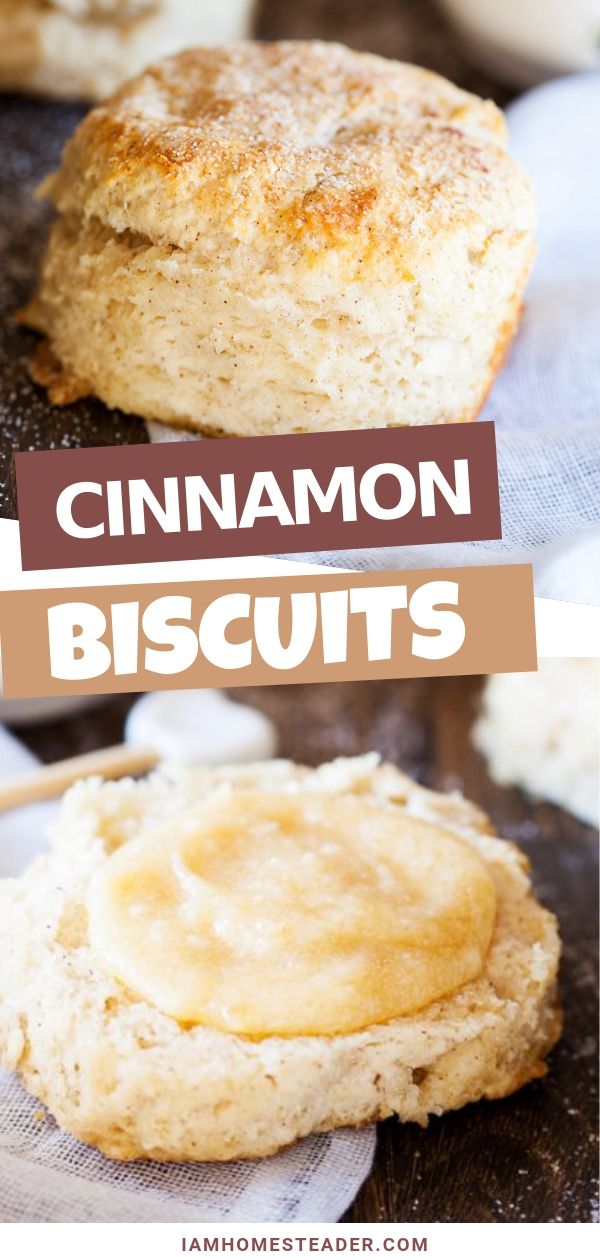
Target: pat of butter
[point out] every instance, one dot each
(263, 913)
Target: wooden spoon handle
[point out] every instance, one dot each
(51, 781)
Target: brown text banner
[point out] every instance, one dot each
(258, 496)
(322, 627)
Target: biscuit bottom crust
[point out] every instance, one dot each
(133, 1082)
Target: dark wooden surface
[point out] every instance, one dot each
(532, 1157)
(31, 137)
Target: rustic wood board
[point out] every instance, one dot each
(32, 134)
(532, 1157)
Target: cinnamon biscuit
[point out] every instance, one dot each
(272, 238)
(211, 965)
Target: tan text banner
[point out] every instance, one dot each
(316, 628)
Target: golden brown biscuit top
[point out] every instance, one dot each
(295, 143)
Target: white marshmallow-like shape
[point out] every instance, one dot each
(202, 727)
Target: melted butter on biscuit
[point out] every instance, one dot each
(263, 913)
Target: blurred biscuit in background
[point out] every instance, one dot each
(83, 49)
(541, 732)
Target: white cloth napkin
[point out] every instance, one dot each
(546, 403)
(46, 1175)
